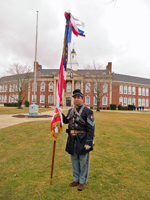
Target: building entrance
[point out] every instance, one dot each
(68, 101)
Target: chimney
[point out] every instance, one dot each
(109, 67)
(38, 66)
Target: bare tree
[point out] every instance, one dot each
(19, 83)
(97, 81)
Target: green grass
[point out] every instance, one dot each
(14, 110)
(119, 166)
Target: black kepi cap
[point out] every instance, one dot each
(77, 92)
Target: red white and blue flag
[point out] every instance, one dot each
(71, 26)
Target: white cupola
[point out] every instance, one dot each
(72, 61)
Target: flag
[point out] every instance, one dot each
(71, 26)
(75, 23)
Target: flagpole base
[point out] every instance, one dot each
(51, 181)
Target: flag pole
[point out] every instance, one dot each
(35, 62)
(52, 167)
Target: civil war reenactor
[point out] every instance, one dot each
(80, 139)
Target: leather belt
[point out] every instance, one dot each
(76, 131)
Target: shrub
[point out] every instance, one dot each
(11, 104)
(26, 103)
(120, 107)
(112, 106)
(131, 107)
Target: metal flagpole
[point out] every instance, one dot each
(34, 99)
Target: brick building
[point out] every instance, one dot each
(116, 88)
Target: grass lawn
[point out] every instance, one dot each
(15, 110)
(119, 167)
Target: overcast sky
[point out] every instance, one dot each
(116, 32)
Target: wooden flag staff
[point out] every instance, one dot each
(53, 157)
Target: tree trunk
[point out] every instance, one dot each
(98, 106)
(19, 104)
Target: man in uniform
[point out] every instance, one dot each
(80, 139)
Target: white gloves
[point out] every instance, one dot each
(87, 146)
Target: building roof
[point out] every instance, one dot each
(13, 77)
(116, 77)
(130, 79)
(85, 71)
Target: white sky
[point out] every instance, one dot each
(117, 32)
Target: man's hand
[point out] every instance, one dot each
(87, 146)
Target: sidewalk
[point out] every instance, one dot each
(7, 119)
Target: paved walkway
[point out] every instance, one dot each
(7, 119)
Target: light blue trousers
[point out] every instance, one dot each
(80, 166)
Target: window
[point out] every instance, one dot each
(129, 101)
(125, 101)
(5, 98)
(133, 90)
(143, 102)
(104, 101)
(14, 88)
(95, 101)
(133, 101)
(147, 102)
(10, 99)
(42, 98)
(121, 89)
(50, 99)
(121, 101)
(105, 88)
(87, 100)
(95, 88)
(2, 88)
(16, 98)
(129, 90)
(139, 102)
(33, 87)
(78, 85)
(10, 88)
(5, 88)
(68, 87)
(143, 91)
(147, 92)
(87, 88)
(125, 89)
(139, 91)
(2, 98)
(34, 100)
(42, 87)
(50, 87)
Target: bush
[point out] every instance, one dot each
(125, 108)
(131, 107)
(112, 106)
(26, 103)
(11, 104)
(120, 107)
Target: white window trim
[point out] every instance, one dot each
(51, 85)
(49, 98)
(68, 86)
(121, 89)
(85, 100)
(42, 87)
(87, 88)
(103, 103)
